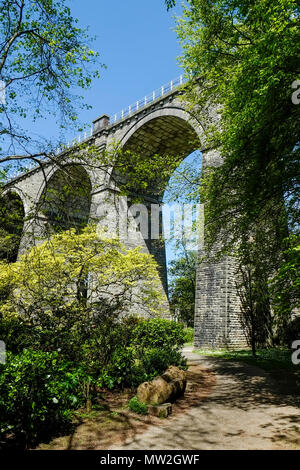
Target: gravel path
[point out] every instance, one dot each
(246, 410)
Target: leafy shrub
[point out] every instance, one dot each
(189, 335)
(157, 360)
(112, 353)
(159, 333)
(155, 344)
(120, 371)
(37, 393)
(146, 349)
(16, 334)
(137, 406)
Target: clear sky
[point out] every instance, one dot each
(137, 42)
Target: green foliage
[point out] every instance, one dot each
(37, 394)
(189, 335)
(243, 58)
(16, 334)
(286, 284)
(59, 268)
(159, 333)
(44, 55)
(46, 313)
(285, 291)
(151, 346)
(156, 360)
(11, 226)
(137, 175)
(137, 406)
(183, 286)
(289, 332)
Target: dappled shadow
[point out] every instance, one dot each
(116, 424)
(227, 405)
(249, 385)
(247, 409)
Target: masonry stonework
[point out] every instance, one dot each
(163, 127)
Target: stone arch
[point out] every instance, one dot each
(168, 131)
(167, 111)
(65, 198)
(12, 214)
(171, 132)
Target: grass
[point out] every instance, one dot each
(276, 361)
(267, 359)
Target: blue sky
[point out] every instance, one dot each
(137, 44)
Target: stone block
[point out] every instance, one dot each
(161, 411)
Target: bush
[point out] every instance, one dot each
(137, 406)
(37, 394)
(159, 333)
(154, 345)
(146, 350)
(189, 335)
(113, 353)
(156, 361)
(290, 332)
(16, 334)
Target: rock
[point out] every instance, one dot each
(177, 378)
(154, 393)
(174, 373)
(161, 411)
(169, 386)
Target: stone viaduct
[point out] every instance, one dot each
(161, 126)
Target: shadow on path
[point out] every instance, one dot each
(247, 409)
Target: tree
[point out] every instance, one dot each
(183, 286)
(252, 278)
(243, 58)
(285, 285)
(70, 293)
(170, 4)
(44, 57)
(11, 226)
(59, 269)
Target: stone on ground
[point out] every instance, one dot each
(167, 387)
(161, 411)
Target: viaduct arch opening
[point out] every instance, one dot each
(66, 199)
(165, 140)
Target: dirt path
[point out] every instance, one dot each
(245, 410)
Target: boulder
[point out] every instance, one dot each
(174, 373)
(167, 387)
(161, 411)
(155, 392)
(177, 378)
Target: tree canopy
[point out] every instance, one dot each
(80, 270)
(242, 58)
(44, 58)
(182, 272)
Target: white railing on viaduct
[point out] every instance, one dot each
(116, 117)
(134, 107)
